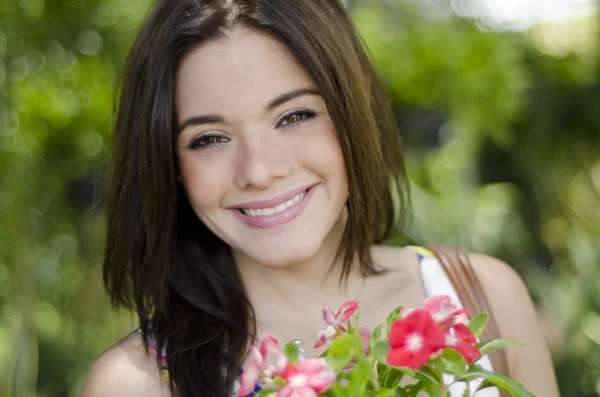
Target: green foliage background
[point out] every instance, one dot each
(503, 148)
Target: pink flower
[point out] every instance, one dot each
(460, 338)
(343, 314)
(306, 379)
(442, 310)
(414, 339)
(365, 334)
(326, 335)
(257, 367)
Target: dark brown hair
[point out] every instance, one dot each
(160, 259)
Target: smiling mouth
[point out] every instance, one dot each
(274, 210)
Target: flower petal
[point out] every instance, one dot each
(419, 358)
(268, 344)
(283, 367)
(468, 351)
(312, 366)
(329, 316)
(258, 357)
(399, 331)
(321, 379)
(322, 382)
(249, 378)
(463, 332)
(296, 391)
(398, 357)
(440, 307)
(321, 339)
(346, 310)
(365, 334)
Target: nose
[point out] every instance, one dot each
(261, 161)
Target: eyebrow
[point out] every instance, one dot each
(197, 120)
(288, 96)
(278, 101)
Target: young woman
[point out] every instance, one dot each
(257, 168)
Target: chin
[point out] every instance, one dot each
(283, 256)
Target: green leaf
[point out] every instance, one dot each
(292, 352)
(279, 381)
(379, 332)
(400, 392)
(432, 389)
(358, 379)
(266, 392)
(382, 369)
(428, 375)
(336, 391)
(395, 314)
(514, 387)
(478, 323)
(391, 378)
(385, 392)
(338, 361)
(490, 345)
(430, 380)
(380, 349)
(343, 349)
(413, 390)
(450, 362)
(406, 371)
(350, 343)
(484, 385)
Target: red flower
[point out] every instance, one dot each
(306, 379)
(442, 310)
(460, 338)
(413, 339)
(342, 315)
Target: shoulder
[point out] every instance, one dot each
(507, 295)
(503, 285)
(126, 370)
(517, 319)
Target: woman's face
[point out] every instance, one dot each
(258, 154)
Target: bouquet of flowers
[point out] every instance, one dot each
(415, 350)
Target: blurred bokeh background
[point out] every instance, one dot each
(498, 102)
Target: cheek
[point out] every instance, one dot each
(326, 151)
(202, 184)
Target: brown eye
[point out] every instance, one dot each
(207, 141)
(296, 118)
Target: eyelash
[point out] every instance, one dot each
(201, 142)
(304, 115)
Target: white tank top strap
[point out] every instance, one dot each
(437, 282)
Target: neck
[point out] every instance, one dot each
(279, 295)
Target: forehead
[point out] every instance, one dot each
(244, 68)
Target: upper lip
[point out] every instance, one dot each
(273, 202)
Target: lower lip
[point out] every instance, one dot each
(271, 221)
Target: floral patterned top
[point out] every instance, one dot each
(436, 282)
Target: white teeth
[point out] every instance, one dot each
(274, 210)
(280, 208)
